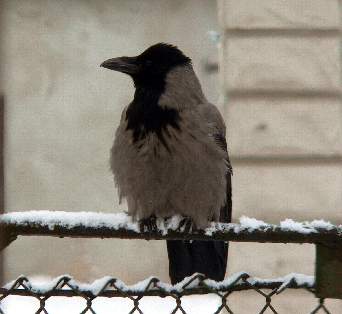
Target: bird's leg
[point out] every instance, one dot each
(186, 225)
(148, 224)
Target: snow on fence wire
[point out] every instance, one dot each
(197, 284)
(86, 224)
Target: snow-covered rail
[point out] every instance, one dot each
(120, 225)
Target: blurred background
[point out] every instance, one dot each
(273, 68)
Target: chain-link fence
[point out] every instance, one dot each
(197, 284)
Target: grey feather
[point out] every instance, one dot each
(190, 178)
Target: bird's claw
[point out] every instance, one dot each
(148, 224)
(186, 225)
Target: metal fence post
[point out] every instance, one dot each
(329, 271)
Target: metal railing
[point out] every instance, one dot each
(108, 226)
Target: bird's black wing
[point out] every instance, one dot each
(206, 257)
(220, 247)
(226, 211)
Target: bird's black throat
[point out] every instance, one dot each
(145, 116)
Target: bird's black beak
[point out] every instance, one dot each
(126, 65)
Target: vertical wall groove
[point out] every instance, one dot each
(2, 196)
(2, 271)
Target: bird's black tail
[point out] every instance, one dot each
(206, 257)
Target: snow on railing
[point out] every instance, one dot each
(107, 286)
(120, 225)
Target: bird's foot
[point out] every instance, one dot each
(186, 225)
(148, 224)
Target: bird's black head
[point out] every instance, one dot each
(149, 69)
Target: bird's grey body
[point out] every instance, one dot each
(170, 155)
(187, 176)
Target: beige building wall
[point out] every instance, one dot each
(281, 85)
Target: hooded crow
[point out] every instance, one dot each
(170, 155)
